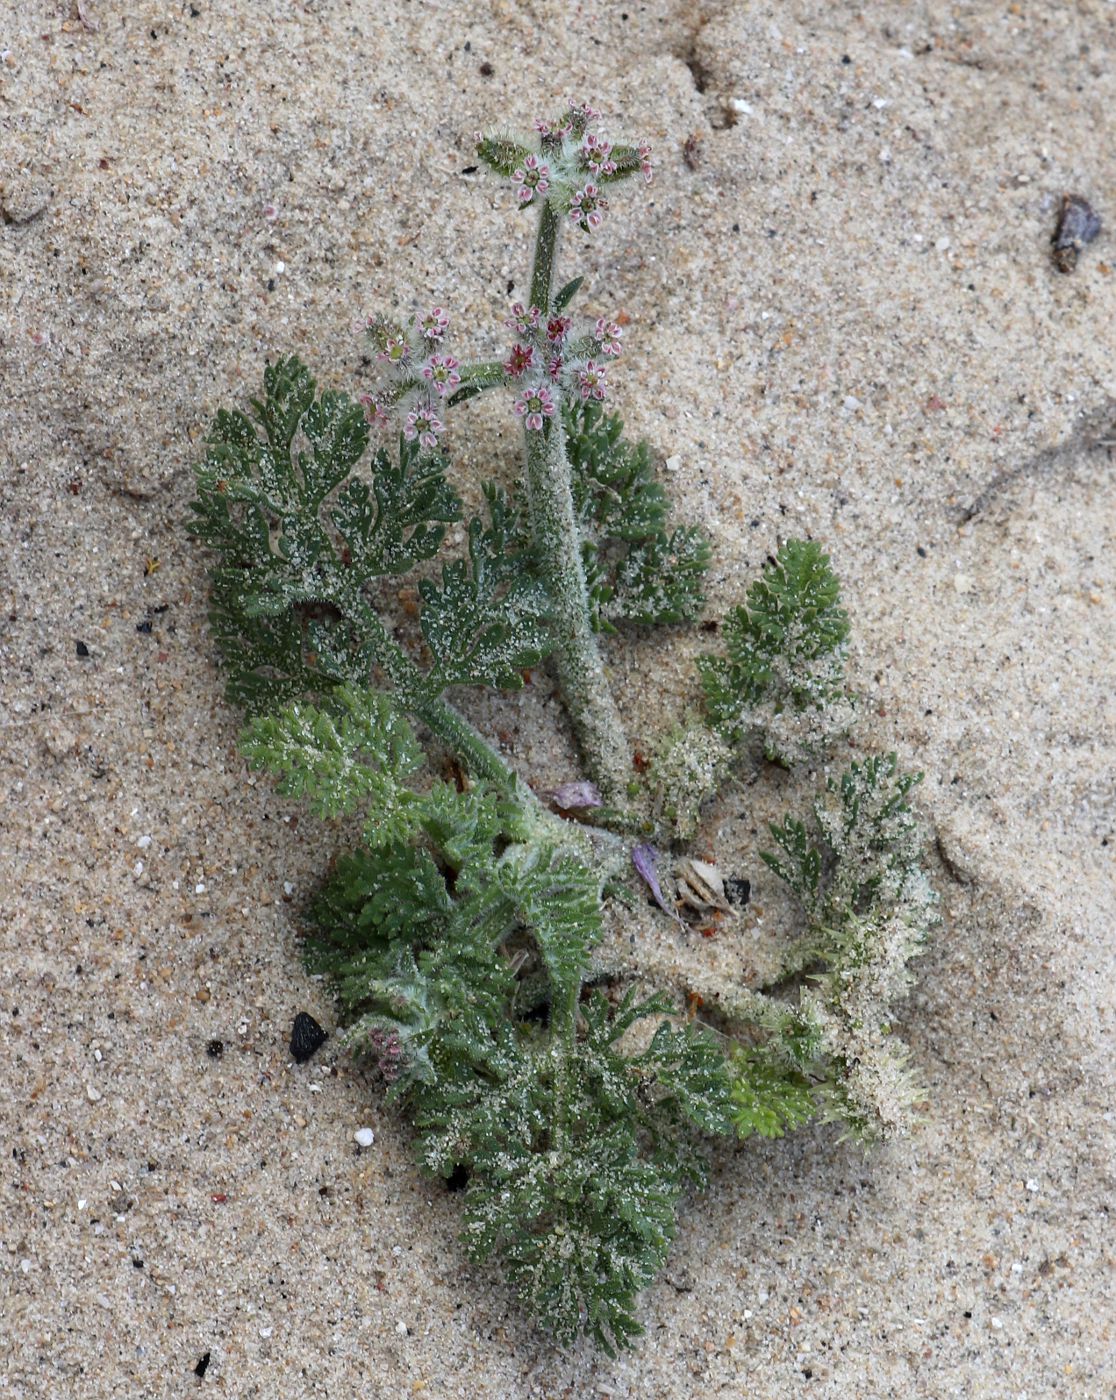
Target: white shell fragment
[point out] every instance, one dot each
(701, 886)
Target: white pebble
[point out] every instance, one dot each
(137, 869)
(93, 1095)
(266, 1332)
(1032, 1185)
(364, 1137)
(25, 1265)
(288, 888)
(280, 267)
(143, 842)
(401, 1328)
(199, 888)
(740, 107)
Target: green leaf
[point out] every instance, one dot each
(768, 1098)
(346, 755)
(502, 155)
(567, 293)
(660, 580)
(400, 520)
(786, 651)
(800, 866)
(635, 570)
(486, 622)
(298, 528)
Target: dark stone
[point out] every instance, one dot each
(306, 1037)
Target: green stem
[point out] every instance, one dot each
(577, 660)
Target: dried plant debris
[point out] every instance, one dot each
(1078, 224)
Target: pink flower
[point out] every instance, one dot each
(423, 423)
(533, 178)
(524, 323)
(441, 370)
(520, 360)
(608, 333)
(585, 206)
(554, 367)
(596, 155)
(645, 160)
(557, 328)
(535, 404)
(374, 412)
(433, 324)
(397, 350)
(591, 381)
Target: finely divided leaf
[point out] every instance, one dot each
(637, 572)
(486, 621)
(298, 530)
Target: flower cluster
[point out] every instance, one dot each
(418, 375)
(547, 359)
(388, 1051)
(570, 166)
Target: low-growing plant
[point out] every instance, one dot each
(459, 933)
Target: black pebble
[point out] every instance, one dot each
(82, 650)
(144, 627)
(202, 1366)
(458, 1179)
(737, 890)
(306, 1037)
(215, 1049)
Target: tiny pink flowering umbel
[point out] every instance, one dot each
(433, 324)
(586, 206)
(424, 424)
(591, 381)
(522, 320)
(533, 177)
(373, 411)
(596, 155)
(608, 334)
(535, 405)
(441, 371)
(520, 360)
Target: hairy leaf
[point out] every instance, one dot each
(635, 570)
(486, 621)
(298, 529)
(786, 648)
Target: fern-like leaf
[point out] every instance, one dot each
(298, 529)
(782, 678)
(486, 621)
(636, 571)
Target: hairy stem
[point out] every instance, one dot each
(577, 660)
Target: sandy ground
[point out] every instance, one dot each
(844, 321)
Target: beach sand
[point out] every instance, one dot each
(844, 323)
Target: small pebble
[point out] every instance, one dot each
(364, 1137)
(401, 1328)
(307, 1037)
